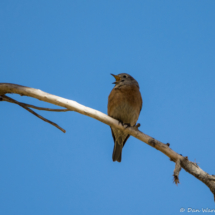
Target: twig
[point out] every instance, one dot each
(176, 171)
(6, 98)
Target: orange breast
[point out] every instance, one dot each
(125, 104)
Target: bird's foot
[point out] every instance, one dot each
(120, 122)
(125, 125)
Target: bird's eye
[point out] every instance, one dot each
(124, 76)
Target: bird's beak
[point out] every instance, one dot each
(116, 77)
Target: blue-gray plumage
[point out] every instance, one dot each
(124, 104)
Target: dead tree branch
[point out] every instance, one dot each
(190, 167)
(176, 171)
(26, 107)
(8, 99)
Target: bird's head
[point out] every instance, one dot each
(124, 79)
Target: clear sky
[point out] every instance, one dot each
(69, 48)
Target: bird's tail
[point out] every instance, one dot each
(117, 152)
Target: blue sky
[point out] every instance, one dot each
(69, 48)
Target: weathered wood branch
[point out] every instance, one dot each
(177, 171)
(26, 107)
(8, 99)
(191, 167)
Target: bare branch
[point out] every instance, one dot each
(192, 168)
(6, 98)
(176, 171)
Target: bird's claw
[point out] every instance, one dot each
(126, 125)
(120, 122)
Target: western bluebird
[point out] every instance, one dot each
(124, 104)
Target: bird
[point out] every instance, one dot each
(124, 105)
